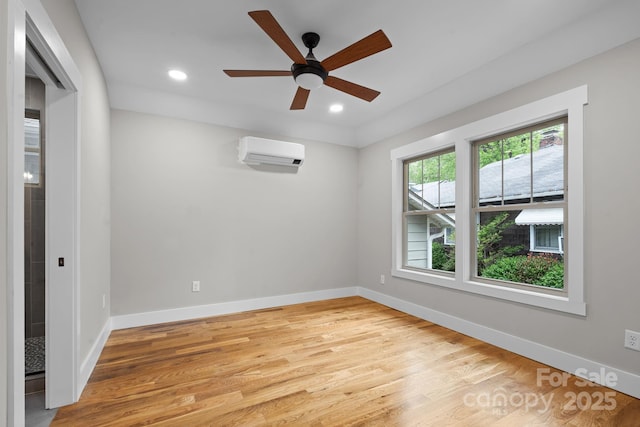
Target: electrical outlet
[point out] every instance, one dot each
(104, 300)
(632, 340)
(195, 286)
(382, 279)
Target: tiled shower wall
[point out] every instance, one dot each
(34, 232)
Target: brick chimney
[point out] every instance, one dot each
(549, 138)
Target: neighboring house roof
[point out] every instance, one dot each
(548, 180)
(447, 220)
(430, 198)
(548, 176)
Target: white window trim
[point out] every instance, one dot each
(570, 103)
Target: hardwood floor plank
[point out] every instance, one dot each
(347, 361)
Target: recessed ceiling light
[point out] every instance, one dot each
(336, 108)
(178, 75)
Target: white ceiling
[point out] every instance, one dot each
(445, 55)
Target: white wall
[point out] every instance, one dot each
(94, 175)
(611, 236)
(184, 209)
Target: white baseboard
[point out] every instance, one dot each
(91, 360)
(195, 312)
(627, 382)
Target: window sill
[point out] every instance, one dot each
(546, 251)
(523, 296)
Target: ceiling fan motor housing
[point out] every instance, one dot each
(312, 74)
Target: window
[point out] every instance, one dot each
(546, 238)
(519, 180)
(510, 206)
(429, 211)
(32, 148)
(450, 235)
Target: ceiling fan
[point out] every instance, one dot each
(308, 72)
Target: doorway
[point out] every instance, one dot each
(62, 92)
(34, 235)
(54, 227)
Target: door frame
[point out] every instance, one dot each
(28, 17)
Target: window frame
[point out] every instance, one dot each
(570, 103)
(427, 213)
(477, 209)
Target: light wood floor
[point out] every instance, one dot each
(340, 362)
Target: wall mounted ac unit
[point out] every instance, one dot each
(253, 151)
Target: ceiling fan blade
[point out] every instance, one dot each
(256, 73)
(269, 25)
(368, 46)
(300, 99)
(351, 88)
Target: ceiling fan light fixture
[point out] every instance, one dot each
(309, 81)
(310, 75)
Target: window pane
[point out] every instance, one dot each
(431, 182)
(425, 238)
(31, 168)
(503, 251)
(431, 167)
(523, 168)
(414, 186)
(32, 133)
(32, 151)
(548, 163)
(430, 236)
(517, 169)
(490, 173)
(448, 166)
(416, 238)
(447, 180)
